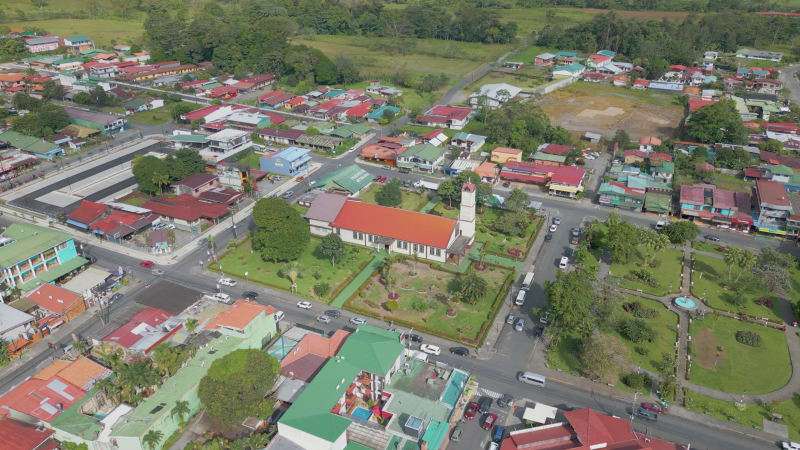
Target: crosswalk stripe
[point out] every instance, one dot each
(490, 393)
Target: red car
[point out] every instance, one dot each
(489, 421)
(147, 264)
(382, 180)
(472, 410)
(653, 407)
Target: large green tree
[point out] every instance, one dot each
(5, 353)
(332, 248)
(183, 163)
(680, 232)
(145, 169)
(236, 384)
(282, 233)
(772, 268)
(389, 194)
(718, 122)
(448, 189)
(470, 287)
(570, 299)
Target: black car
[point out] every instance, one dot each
(507, 184)
(115, 298)
(414, 337)
(712, 238)
(548, 237)
(333, 313)
(485, 405)
(459, 351)
(538, 331)
(250, 294)
(505, 400)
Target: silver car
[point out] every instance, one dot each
(323, 319)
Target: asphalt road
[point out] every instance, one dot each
(790, 81)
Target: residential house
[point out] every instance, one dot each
(350, 180)
(353, 130)
(195, 184)
(548, 159)
(234, 175)
(767, 86)
(488, 172)
(662, 170)
(423, 157)
(42, 44)
(161, 71)
(620, 80)
(56, 304)
(310, 354)
(77, 43)
(562, 181)
(567, 181)
(554, 149)
(223, 93)
(566, 57)
(381, 112)
(143, 331)
(597, 61)
(772, 207)
(280, 136)
(411, 233)
(196, 141)
(106, 123)
(226, 143)
(647, 143)
(255, 82)
(759, 54)
(634, 156)
(640, 83)
(319, 142)
(275, 99)
(31, 145)
(502, 155)
(461, 164)
(513, 65)
(574, 70)
(620, 195)
(20, 435)
(544, 59)
(441, 116)
(707, 203)
(468, 141)
(387, 149)
(493, 95)
(290, 161)
(781, 173)
(435, 137)
(186, 211)
(18, 329)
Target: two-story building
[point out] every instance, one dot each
(707, 203)
(77, 43)
(42, 44)
(468, 141)
(442, 116)
(772, 207)
(56, 304)
(224, 144)
(289, 161)
(502, 155)
(423, 157)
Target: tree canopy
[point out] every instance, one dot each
(332, 248)
(282, 233)
(718, 122)
(389, 194)
(43, 119)
(146, 169)
(236, 384)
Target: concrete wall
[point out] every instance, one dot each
(548, 88)
(309, 441)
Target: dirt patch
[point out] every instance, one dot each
(606, 109)
(706, 349)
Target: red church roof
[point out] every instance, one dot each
(87, 212)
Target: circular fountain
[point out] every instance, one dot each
(685, 303)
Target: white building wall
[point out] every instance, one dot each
(309, 441)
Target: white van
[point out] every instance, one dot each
(520, 300)
(660, 225)
(532, 378)
(220, 297)
(527, 281)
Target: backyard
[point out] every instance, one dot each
(665, 270)
(312, 268)
(411, 201)
(748, 415)
(158, 116)
(425, 302)
(709, 278)
(720, 362)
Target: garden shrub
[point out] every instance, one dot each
(419, 305)
(655, 263)
(749, 338)
(635, 380)
(391, 305)
(636, 330)
(644, 276)
(636, 309)
(642, 350)
(322, 289)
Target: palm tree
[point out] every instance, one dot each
(160, 180)
(109, 388)
(81, 346)
(292, 271)
(180, 409)
(191, 325)
(152, 439)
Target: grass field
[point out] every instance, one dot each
(411, 99)
(158, 116)
(410, 201)
(604, 109)
(707, 247)
(564, 355)
(751, 416)
(720, 362)
(240, 260)
(534, 78)
(425, 299)
(495, 241)
(732, 183)
(709, 275)
(667, 273)
(102, 31)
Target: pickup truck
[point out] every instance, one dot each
(426, 185)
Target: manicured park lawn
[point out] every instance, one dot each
(420, 284)
(240, 260)
(737, 368)
(665, 324)
(410, 200)
(563, 356)
(667, 273)
(708, 276)
(496, 242)
(751, 415)
(707, 247)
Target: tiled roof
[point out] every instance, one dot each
(186, 207)
(410, 226)
(114, 220)
(649, 140)
(87, 212)
(130, 333)
(555, 149)
(449, 112)
(569, 175)
(53, 298)
(238, 315)
(308, 356)
(18, 435)
(83, 372)
(219, 195)
(42, 399)
(196, 180)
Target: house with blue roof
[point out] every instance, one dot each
(377, 115)
(289, 161)
(571, 70)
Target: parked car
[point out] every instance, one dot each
(485, 405)
(507, 184)
(645, 414)
(790, 445)
(543, 320)
(459, 351)
(169, 226)
(358, 320)
(471, 411)
(324, 319)
(505, 400)
(489, 421)
(563, 263)
(660, 225)
(414, 337)
(520, 300)
(556, 220)
(250, 294)
(304, 304)
(287, 195)
(404, 170)
(511, 319)
(712, 238)
(300, 178)
(455, 436)
(431, 349)
(497, 436)
(115, 298)
(493, 446)
(279, 316)
(147, 264)
(538, 331)
(553, 228)
(655, 407)
(382, 180)
(227, 282)
(520, 325)
(333, 313)
(221, 297)
(548, 237)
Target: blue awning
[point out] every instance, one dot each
(78, 224)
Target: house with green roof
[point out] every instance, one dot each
(423, 157)
(355, 130)
(372, 367)
(377, 115)
(618, 195)
(350, 179)
(548, 159)
(781, 173)
(31, 255)
(32, 145)
(663, 170)
(657, 203)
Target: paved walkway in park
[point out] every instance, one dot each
(358, 280)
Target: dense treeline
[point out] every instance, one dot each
(662, 5)
(676, 42)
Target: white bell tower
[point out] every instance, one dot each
(466, 217)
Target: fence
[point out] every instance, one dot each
(555, 85)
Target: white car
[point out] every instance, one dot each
(304, 305)
(563, 263)
(169, 226)
(358, 320)
(791, 445)
(430, 349)
(279, 316)
(221, 297)
(227, 282)
(553, 228)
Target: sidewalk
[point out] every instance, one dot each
(358, 280)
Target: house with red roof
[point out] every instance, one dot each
(223, 93)
(56, 304)
(186, 211)
(594, 77)
(275, 99)
(19, 435)
(585, 429)
(246, 318)
(634, 156)
(773, 207)
(387, 149)
(596, 61)
(310, 354)
(709, 204)
(646, 143)
(435, 137)
(255, 82)
(143, 330)
(641, 83)
(560, 181)
(359, 111)
(85, 214)
(121, 224)
(443, 116)
(396, 230)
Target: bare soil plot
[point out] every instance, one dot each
(708, 355)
